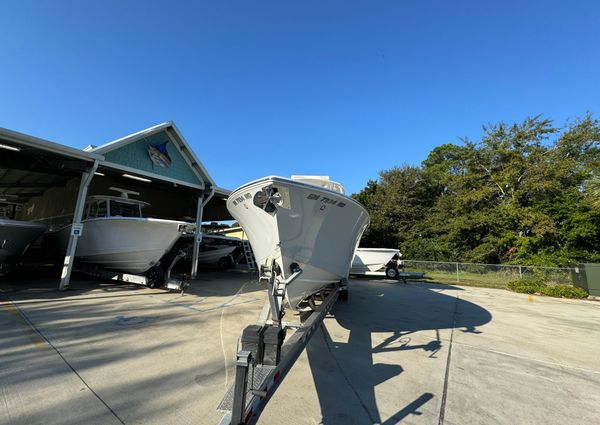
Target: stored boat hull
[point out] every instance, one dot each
(127, 244)
(295, 223)
(213, 256)
(372, 259)
(15, 237)
(212, 247)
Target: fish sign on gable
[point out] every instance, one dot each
(160, 152)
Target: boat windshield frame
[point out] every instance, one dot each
(321, 181)
(106, 206)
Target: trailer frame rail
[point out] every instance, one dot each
(257, 375)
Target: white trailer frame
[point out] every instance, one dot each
(399, 276)
(170, 283)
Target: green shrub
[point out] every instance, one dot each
(526, 286)
(563, 291)
(527, 289)
(535, 285)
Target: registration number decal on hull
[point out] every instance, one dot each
(241, 199)
(325, 200)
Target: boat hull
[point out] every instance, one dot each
(15, 237)
(313, 227)
(212, 248)
(372, 259)
(212, 256)
(127, 244)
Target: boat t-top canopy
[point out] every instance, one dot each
(118, 199)
(322, 181)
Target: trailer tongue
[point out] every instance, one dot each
(266, 356)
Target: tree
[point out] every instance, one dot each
(395, 203)
(518, 195)
(593, 191)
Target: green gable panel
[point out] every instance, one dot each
(135, 155)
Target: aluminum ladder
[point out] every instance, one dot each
(249, 255)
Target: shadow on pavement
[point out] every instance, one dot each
(44, 280)
(380, 307)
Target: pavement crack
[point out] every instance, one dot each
(32, 325)
(447, 374)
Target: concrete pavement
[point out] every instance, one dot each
(417, 353)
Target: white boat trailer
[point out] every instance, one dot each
(264, 359)
(403, 276)
(154, 278)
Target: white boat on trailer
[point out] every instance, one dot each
(215, 250)
(215, 255)
(377, 261)
(303, 231)
(116, 236)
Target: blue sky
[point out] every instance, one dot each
(336, 88)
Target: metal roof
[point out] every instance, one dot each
(21, 140)
(20, 185)
(222, 191)
(29, 165)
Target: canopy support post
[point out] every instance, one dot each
(202, 201)
(76, 230)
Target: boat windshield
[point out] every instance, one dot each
(97, 209)
(322, 181)
(123, 209)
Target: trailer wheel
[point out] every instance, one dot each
(391, 272)
(155, 277)
(343, 295)
(225, 263)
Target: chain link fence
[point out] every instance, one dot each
(491, 275)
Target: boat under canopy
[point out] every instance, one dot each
(15, 237)
(116, 236)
